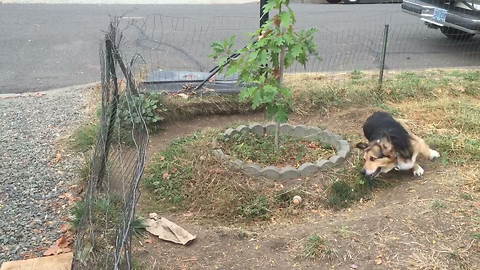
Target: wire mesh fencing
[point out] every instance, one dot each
(105, 219)
(349, 37)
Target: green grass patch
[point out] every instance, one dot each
(261, 149)
(170, 170)
(455, 149)
(341, 195)
(348, 185)
(84, 137)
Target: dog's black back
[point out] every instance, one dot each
(382, 125)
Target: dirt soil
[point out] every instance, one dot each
(417, 223)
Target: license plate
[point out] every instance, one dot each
(439, 15)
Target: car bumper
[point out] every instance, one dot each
(467, 22)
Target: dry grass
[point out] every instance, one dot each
(321, 92)
(179, 108)
(397, 222)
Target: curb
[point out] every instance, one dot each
(341, 146)
(49, 91)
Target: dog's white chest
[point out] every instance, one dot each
(403, 166)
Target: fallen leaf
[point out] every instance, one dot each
(58, 158)
(148, 241)
(313, 145)
(65, 227)
(53, 250)
(166, 176)
(378, 260)
(62, 242)
(69, 196)
(354, 266)
(161, 158)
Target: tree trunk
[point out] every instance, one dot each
(277, 129)
(281, 70)
(281, 61)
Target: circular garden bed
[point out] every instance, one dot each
(304, 150)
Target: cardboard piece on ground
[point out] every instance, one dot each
(167, 230)
(57, 262)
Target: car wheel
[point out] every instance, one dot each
(455, 34)
(334, 1)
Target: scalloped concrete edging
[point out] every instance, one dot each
(285, 173)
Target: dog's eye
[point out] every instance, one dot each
(372, 159)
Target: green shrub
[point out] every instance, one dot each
(145, 108)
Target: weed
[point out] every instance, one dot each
(466, 196)
(316, 247)
(106, 215)
(437, 205)
(258, 208)
(139, 226)
(77, 212)
(476, 236)
(345, 232)
(84, 137)
(85, 171)
(144, 108)
(341, 195)
(356, 75)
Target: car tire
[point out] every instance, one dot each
(334, 1)
(455, 34)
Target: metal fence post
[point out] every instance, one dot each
(384, 52)
(263, 16)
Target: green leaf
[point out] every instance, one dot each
(270, 6)
(281, 116)
(286, 19)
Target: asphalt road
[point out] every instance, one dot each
(50, 46)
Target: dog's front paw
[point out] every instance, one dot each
(434, 154)
(418, 171)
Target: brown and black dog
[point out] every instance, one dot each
(390, 146)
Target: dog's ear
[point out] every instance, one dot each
(361, 145)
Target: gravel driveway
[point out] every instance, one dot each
(33, 177)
